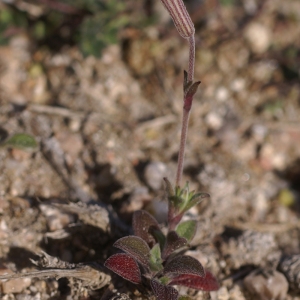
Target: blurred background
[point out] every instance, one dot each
(98, 83)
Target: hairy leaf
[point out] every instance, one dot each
(136, 247)
(207, 283)
(186, 83)
(125, 266)
(143, 224)
(185, 265)
(163, 292)
(192, 89)
(158, 235)
(189, 94)
(187, 229)
(155, 258)
(196, 199)
(173, 243)
(22, 141)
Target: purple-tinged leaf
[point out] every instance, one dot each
(189, 95)
(143, 223)
(184, 265)
(125, 266)
(192, 89)
(136, 247)
(186, 83)
(173, 243)
(163, 292)
(187, 229)
(207, 283)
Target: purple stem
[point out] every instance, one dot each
(186, 112)
(191, 58)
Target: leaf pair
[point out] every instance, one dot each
(180, 201)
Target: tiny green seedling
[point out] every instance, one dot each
(150, 255)
(21, 141)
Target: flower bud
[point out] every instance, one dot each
(180, 16)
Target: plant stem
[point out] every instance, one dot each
(191, 58)
(184, 130)
(186, 112)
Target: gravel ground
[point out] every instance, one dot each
(108, 131)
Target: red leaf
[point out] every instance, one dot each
(163, 292)
(136, 247)
(185, 265)
(125, 266)
(207, 283)
(142, 223)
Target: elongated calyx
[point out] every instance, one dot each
(180, 16)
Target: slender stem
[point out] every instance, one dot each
(186, 113)
(184, 130)
(191, 58)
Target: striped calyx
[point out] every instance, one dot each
(180, 16)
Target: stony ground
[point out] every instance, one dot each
(108, 131)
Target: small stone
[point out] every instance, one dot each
(14, 286)
(55, 218)
(222, 94)
(221, 294)
(259, 37)
(154, 174)
(290, 267)
(266, 287)
(159, 210)
(214, 121)
(238, 84)
(249, 248)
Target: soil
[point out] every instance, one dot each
(108, 131)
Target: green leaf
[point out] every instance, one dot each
(21, 141)
(195, 199)
(174, 195)
(158, 235)
(187, 229)
(136, 247)
(155, 259)
(164, 280)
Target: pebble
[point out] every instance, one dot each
(222, 94)
(56, 219)
(259, 37)
(238, 84)
(154, 174)
(274, 286)
(13, 285)
(214, 120)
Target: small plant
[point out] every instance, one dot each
(21, 141)
(150, 256)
